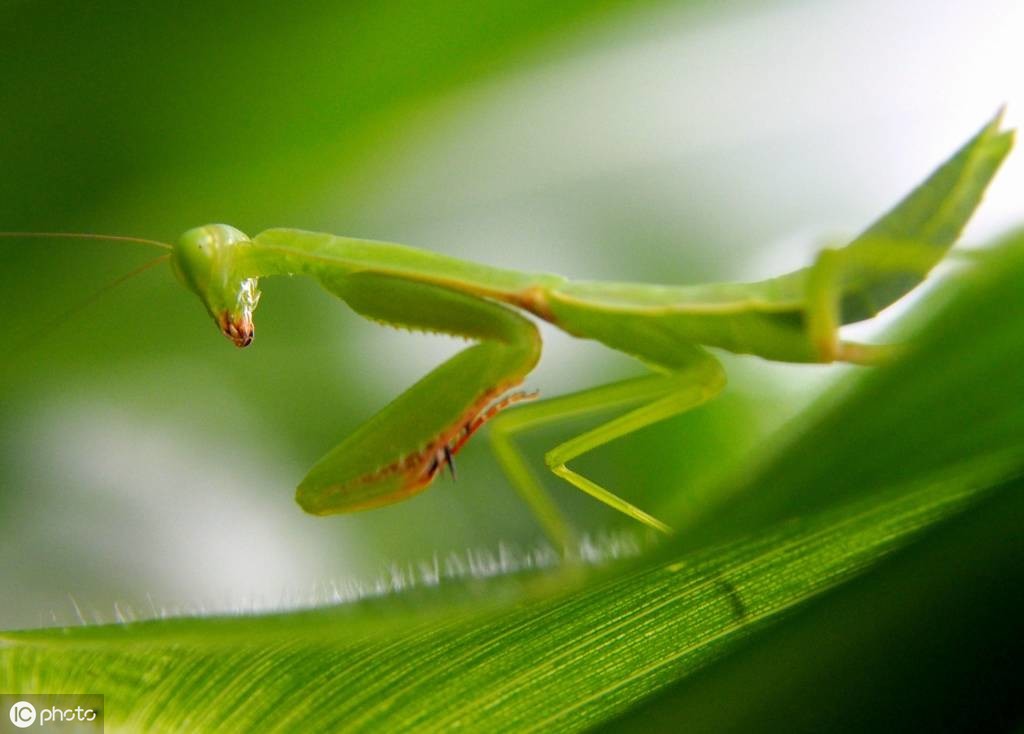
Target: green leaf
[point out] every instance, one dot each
(929, 640)
(554, 665)
(879, 463)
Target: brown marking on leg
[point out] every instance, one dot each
(450, 442)
(474, 425)
(420, 468)
(535, 300)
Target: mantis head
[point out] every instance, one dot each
(206, 261)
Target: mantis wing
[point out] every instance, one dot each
(892, 256)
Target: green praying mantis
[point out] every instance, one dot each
(399, 451)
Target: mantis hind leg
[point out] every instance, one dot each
(651, 399)
(834, 290)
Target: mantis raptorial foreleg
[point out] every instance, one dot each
(402, 448)
(694, 379)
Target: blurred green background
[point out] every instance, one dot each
(146, 463)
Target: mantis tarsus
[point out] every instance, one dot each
(398, 452)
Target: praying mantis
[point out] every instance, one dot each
(399, 451)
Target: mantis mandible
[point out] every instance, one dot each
(399, 451)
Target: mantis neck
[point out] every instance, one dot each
(327, 258)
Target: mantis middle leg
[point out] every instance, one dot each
(694, 379)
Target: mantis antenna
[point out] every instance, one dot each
(92, 297)
(95, 295)
(84, 236)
